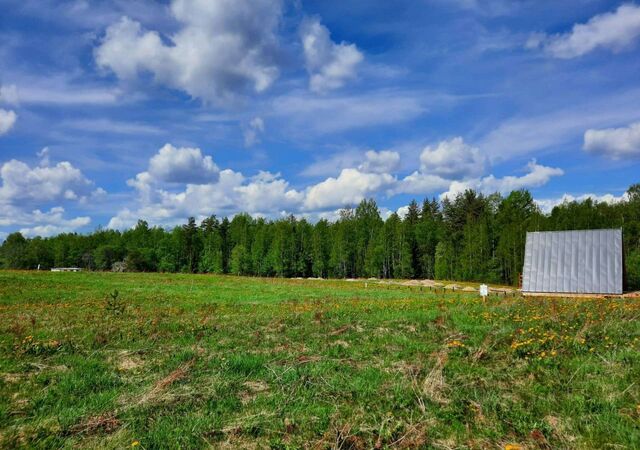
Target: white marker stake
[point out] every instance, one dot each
(484, 291)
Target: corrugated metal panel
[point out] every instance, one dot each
(585, 262)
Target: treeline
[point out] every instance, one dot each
(470, 238)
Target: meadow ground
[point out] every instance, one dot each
(196, 360)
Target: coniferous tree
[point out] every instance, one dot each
(226, 244)
(190, 246)
(259, 249)
(411, 221)
(427, 234)
(212, 252)
(374, 264)
(321, 249)
(366, 223)
(303, 251)
(343, 250)
(513, 220)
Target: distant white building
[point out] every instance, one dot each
(66, 269)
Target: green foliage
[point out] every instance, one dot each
(238, 260)
(14, 249)
(320, 248)
(104, 256)
(211, 260)
(140, 260)
(514, 218)
(444, 260)
(469, 237)
(633, 271)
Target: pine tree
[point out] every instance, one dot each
(211, 259)
(321, 249)
(259, 249)
(513, 219)
(303, 248)
(367, 222)
(343, 250)
(411, 221)
(428, 233)
(191, 243)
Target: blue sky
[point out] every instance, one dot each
(114, 111)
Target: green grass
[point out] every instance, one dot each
(193, 361)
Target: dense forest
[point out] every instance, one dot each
(470, 238)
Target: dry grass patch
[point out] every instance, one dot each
(434, 384)
(106, 423)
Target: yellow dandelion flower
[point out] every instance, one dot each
(135, 443)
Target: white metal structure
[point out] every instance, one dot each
(573, 262)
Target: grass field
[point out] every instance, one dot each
(193, 361)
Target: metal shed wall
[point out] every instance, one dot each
(581, 262)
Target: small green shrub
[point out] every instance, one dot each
(115, 304)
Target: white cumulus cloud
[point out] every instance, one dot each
(453, 159)
(221, 49)
(330, 65)
(349, 188)
(615, 31)
(547, 204)
(418, 183)
(384, 161)
(268, 192)
(52, 222)
(442, 165)
(25, 189)
(227, 193)
(182, 165)
(614, 142)
(538, 175)
(21, 183)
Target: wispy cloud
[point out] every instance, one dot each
(615, 31)
(524, 135)
(7, 120)
(306, 112)
(57, 91)
(111, 126)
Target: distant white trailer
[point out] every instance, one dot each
(66, 269)
(573, 262)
